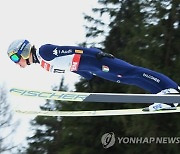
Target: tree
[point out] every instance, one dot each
(7, 127)
(47, 129)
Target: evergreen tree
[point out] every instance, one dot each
(7, 126)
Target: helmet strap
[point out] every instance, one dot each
(34, 57)
(27, 62)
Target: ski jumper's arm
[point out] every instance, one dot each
(49, 52)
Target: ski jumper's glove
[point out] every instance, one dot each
(101, 55)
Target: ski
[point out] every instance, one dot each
(94, 113)
(97, 97)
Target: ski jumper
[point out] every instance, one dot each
(84, 61)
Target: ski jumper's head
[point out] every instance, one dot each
(19, 49)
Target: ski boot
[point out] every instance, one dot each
(162, 106)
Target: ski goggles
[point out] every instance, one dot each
(15, 58)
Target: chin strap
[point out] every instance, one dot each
(34, 57)
(27, 62)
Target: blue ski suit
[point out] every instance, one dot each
(84, 62)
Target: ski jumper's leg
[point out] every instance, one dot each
(117, 70)
(147, 79)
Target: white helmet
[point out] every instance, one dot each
(20, 47)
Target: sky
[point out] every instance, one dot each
(40, 21)
(58, 22)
